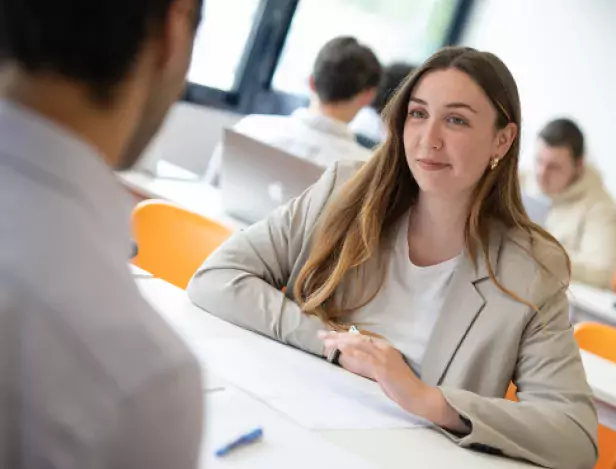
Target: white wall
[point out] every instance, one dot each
(563, 56)
(189, 136)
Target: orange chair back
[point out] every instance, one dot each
(512, 393)
(173, 242)
(600, 340)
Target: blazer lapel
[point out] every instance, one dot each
(460, 310)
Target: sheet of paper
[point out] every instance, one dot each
(213, 383)
(284, 445)
(268, 369)
(341, 413)
(307, 389)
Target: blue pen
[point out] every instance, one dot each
(245, 439)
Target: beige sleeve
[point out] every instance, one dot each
(242, 281)
(554, 424)
(595, 262)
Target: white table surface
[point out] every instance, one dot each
(592, 304)
(388, 449)
(181, 187)
(601, 375)
(139, 272)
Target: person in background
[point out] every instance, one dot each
(368, 123)
(90, 375)
(582, 214)
(345, 78)
(428, 249)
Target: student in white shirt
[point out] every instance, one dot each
(90, 375)
(428, 249)
(368, 122)
(344, 80)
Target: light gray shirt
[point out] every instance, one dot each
(90, 376)
(305, 134)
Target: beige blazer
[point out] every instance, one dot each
(482, 341)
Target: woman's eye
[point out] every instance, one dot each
(417, 113)
(457, 120)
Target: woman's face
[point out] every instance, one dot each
(450, 135)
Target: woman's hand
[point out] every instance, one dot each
(375, 359)
(378, 360)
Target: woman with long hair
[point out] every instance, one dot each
(428, 250)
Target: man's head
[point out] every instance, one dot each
(345, 73)
(126, 57)
(560, 156)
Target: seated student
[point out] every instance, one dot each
(428, 249)
(368, 123)
(344, 79)
(582, 216)
(90, 375)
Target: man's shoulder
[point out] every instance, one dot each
(99, 315)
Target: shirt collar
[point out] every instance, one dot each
(323, 123)
(69, 165)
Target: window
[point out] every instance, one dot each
(255, 56)
(220, 43)
(408, 31)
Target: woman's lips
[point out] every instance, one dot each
(431, 165)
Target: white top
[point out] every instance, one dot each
(304, 133)
(88, 370)
(408, 305)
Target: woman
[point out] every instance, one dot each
(427, 248)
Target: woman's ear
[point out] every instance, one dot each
(505, 138)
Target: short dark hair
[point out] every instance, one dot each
(393, 76)
(343, 69)
(564, 133)
(94, 42)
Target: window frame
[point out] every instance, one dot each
(252, 91)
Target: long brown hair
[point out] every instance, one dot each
(370, 204)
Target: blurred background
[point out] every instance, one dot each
(255, 56)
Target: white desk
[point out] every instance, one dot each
(601, 375)
(592, 304)
(138, 272)
(382, 448)
(181, 187)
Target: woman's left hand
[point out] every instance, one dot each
(377, 359)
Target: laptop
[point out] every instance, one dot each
(537, 208)
(257, 178)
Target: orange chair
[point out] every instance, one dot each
(173, 242)
(512, 393)
(600, 340)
